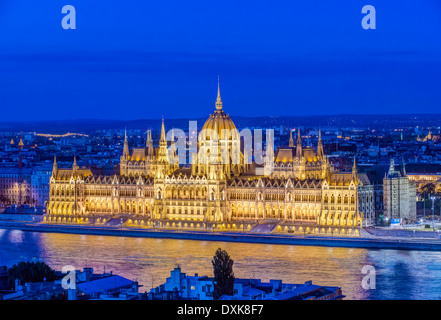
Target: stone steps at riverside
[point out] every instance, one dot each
(266, 226)
(116, 222)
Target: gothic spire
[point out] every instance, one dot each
(218, 99)
(75, 166)
(149, 144)
(163, 140)
(354, 170)
(291, 141)
(55, 167)
(126, 145)
(320, 153)
(162, 151)
(299, 152)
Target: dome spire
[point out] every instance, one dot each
(218, 100)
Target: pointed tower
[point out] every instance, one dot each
(269, 157)
(75, 166)
(218, 99)
(299, 152)
(123, 165)
(291, 141)
(126, 154)
(55, 168)
(354, 171)
(162, 151)
(149, 145)
(320, 153)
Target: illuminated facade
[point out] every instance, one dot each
(15, 182)
(220, 189)
(399, 195)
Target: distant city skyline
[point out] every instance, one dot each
(143, 60)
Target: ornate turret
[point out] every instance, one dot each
(354, 171)
(291, 141)
(299, 152)
(320, 153)
(126, 153)
(218, 99)
(55, 168)
(162, 151)
(75, 167)
(219, 121)
(149, 145)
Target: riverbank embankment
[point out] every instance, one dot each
(279, 239)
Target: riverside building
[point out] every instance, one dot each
(296, 188)
(399, 195)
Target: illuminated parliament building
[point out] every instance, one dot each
(220, 189)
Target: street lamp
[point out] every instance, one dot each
(433, 221)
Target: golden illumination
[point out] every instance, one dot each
(301, 193)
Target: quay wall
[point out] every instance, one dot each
(367, 243)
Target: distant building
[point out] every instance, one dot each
(15, 185)
(40, 184)
(89, 286)
(399, 195)
(425, 176)
(15, 181)
(113, 287)
(179, 286)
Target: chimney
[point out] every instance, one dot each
(17, 284)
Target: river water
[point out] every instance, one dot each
(399, 274)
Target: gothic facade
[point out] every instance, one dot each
(296, 190)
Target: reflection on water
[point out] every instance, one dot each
(400, 274)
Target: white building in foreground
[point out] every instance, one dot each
(179, 286)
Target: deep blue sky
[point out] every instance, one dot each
(144, 59)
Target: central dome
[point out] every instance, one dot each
(219, 121)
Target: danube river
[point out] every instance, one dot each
(400, 274)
